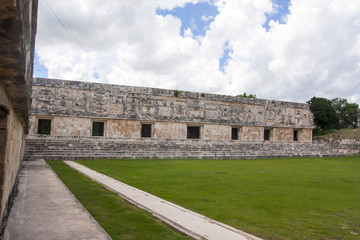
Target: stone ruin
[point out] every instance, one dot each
(82, 120)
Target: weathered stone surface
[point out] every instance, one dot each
(71, 98)
(72, 148)
(73, 106)
(17, 40)
(343, 146)
(12, 140)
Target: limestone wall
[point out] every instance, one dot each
(343, 146)
(119, 128)
(305, 135)
(216, 132)
(12, 141)
(250, 133)
(284, 134)
(169, 130)
(123, 129)
(74, 105)
(71, 98)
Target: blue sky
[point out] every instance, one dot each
(39, 69)
(196, 17)
(281, 10)
(225, 57)
(215, 46)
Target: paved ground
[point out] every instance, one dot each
(45, 209)
(191, 223)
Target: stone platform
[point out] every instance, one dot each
(76, 148)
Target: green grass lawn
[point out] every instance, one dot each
(117, 217)
(296, 198)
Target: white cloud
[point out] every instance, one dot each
(317, 51)
(207, 18)
(188, 33)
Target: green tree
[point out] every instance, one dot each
(247, 96)
(325, 116)
(347, 113)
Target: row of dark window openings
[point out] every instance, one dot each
(235, 134)
(44, 127)
(192, 133)
(267, 135)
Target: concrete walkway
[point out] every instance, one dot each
(45, 209)
(186, 221)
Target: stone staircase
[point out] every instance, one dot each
(76, 148)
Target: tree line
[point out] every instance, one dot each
(329, 114)
(336, 113)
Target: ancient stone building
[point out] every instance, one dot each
(17, 37)
(70, 108)
(77, 120)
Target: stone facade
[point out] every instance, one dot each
(73, 106)
(92, 120)
(17, 39)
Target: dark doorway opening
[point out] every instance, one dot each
(146, 130)
(98, 129)
(267, 134)
(234, 133)
(296, 135)
(193, 132)
(44, 126)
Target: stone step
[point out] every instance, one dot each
(63, 148)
